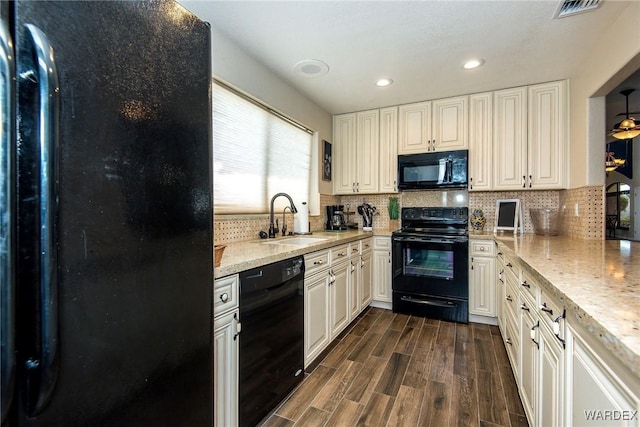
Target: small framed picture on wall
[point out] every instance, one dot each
(326, 161)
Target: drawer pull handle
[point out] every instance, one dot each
(508, 341)
(317, 263)
(481, 248)
(224, 297)
(508, 298)
(341, 254)
(509, 265)
(546, 309)
(525, 284)
(524, 307)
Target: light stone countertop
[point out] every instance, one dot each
(598, 282)
(248, 254)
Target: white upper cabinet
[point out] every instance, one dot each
(367, 151)
(450, 124)
(481, 142)
(439, 125)
(414, 128)
(530, 137)
(343, 155)
(510, 139)
(355, 153)
(388, 150)
(547, 136)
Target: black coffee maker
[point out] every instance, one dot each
(335, 218)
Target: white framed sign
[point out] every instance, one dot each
(508, 215)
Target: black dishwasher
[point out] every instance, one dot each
(272, 337)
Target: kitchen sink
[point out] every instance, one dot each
(295, 241)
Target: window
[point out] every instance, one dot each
(618, 206)
(256, 154)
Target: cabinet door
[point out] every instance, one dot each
(595, 390)
(414, 128)
(551, 381)
(225, 369)
(354, 287)
(365, 279)
(482, 286)
(343, 153)
(450, 125)
(528, 363)
(381, 279)
(481, 142)
(316, 315)
(547, 136)
(510, 139)
(388, 178)
(367, 150)
(339, 298)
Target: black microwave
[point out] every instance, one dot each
(428, 171)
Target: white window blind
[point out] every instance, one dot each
(256, 154)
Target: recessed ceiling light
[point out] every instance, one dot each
(311, 68)
(472, 63)
(384, 82)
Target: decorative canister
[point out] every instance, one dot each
(477, 220)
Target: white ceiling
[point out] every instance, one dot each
(421, 45)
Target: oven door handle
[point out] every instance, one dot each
(448, 304)
(430, 240)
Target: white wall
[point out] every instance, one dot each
(613, 59)
(235, 67)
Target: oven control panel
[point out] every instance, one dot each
(432, 213)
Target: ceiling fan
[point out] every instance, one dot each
(627, 128)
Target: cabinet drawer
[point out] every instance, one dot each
(550, 310)
(511, 300)
(316, 261)
(529, 288)
(382, 243)
(339, 253)
(225, 294)
(366, 245)
(354, 249)
(482, 248)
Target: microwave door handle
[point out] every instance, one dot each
(442, 171)
(449, 170)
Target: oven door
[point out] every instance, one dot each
(431, 266)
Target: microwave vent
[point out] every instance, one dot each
(573, 7)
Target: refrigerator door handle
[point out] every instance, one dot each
(45, 369)
(7, 282)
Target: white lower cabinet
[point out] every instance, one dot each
(381, 274)
(482, 281)
(599, 391)
(339, 297)
(365, 279)
(565, 375)
(337, 287)
(316, 315)
(225, 351)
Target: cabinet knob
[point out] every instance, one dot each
(481, 248)
(317, 262)
(524, 307)
(508, 298)
(224, 297)
(525, 284)
(508, 341)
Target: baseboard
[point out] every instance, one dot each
(483, 319)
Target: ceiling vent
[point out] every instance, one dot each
(572, 7)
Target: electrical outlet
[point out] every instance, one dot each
(576, 210)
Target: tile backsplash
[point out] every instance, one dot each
(582, 209)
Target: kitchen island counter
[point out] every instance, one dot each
(241, 256)
(598, 282)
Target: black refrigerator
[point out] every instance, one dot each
(106, 247)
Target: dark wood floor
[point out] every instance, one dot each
(398, 370)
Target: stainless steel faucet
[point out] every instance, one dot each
(273, 230)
